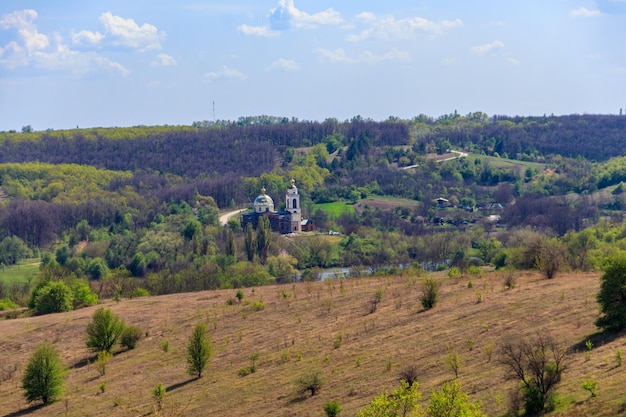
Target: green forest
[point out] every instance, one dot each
(125, 212)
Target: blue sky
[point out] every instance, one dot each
(71, 63)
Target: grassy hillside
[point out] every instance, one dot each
(297, 331)
(21, 272)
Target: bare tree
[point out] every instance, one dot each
(538, 364)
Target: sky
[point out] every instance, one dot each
(70, 63)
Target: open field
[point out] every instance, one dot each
(518, 165)
(297, 332)
(22, 272)
(335, 209)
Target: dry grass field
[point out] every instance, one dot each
(323, 326)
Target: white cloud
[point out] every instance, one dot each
(164, 60)
(88, 37)
(35, 49)
(126, 32)
(339, 55)
(284, 64)
(23, 21)
(584, 12)
(260, 31)
(390, 28)
(224, 72)
(76, 63)
(287, 16)
(486, 48)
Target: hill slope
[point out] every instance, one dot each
(296, 332)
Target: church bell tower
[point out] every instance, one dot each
(292, 204)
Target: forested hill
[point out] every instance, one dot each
(246, 150)
(251, 146)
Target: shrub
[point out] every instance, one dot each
(430, 293)
(454, 272)
(591, 386)
(453, 362)
(101, 362)
(258, 305)
(130, 336)
(158, 393)
(311, 381)
(332, 408)
(44, 375)
(82, 294)
(409, 375)
(104, 330)
(6, 304)
(54, 297)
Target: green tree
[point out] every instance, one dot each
(403, 401)
(54, 297)
(97, 268)
(199, 350)
(44, 375)
(263, 238)
(451, 401)
(191, 229)
(12, 250)
(104, 330)
(250, 242)
(612, 295)
(231, 244)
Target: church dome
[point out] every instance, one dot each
(263, 203)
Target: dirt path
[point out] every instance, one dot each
(225, 217)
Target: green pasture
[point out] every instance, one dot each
(335, 209)
(22, 272)
(507, 163)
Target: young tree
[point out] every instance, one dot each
(199, 350)
(551, 257)
(104, 330)
(538, 364)
(311, 381)
(403, 401)
(430, 293)
(452, 401)
(612, 295)
(44, 375)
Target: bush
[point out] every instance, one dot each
(130, 336)
(54, 297)
(311, 381)
(6, 304)
(44, 375)
(332, 408)
(82, 294)
(104, 330)
(430, 293)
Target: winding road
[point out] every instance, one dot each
(225, 217)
